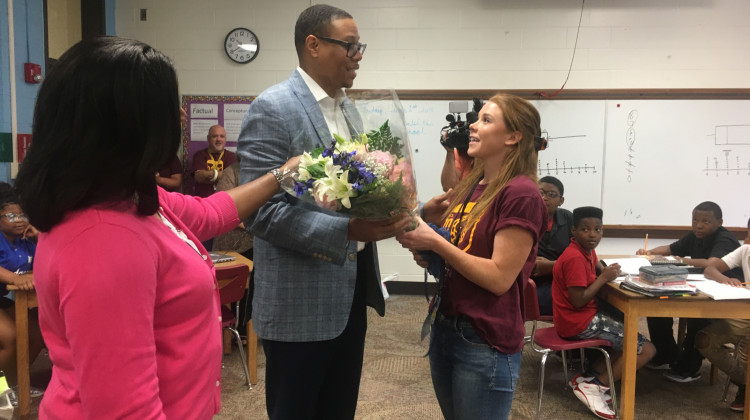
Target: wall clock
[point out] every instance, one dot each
(241, 45)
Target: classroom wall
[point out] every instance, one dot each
(468, 44)
(28, 17)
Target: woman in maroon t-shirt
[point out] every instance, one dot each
(495, 220)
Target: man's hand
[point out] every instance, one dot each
(375, 230)
(205, 176)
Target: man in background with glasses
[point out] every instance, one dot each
(315, 271)
(556, 238)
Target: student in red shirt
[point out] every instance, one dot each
(577, 316)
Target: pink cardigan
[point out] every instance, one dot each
(130, 312)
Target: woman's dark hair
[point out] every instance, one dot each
(106, 118)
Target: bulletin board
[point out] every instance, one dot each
(206, 111)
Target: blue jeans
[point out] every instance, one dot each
(472, 380)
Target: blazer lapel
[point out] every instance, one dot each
(314, 114)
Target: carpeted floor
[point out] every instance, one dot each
(396, 381)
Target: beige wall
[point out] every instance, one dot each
(63, 25)
(465, 44)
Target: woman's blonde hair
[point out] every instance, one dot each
(518, 115)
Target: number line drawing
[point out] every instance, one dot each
(630, 140)
(547, 168)
(723, 167)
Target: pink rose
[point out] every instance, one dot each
(334, 205)
(404, 170)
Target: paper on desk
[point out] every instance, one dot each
(627, 265)
(720, 291)
(696, 277)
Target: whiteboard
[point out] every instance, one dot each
(665, 157)
(647, 162)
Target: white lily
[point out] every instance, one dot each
(335, 186)
(305, 161)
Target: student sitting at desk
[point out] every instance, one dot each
(578, 316)
(556, 238)
(710, 340)
(16, 259)
(708, 239)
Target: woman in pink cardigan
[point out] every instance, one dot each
(128, 302)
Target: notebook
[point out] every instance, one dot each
(719, 291)
(218, 257)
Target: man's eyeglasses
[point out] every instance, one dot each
(550, 194)
(13, 217)
(351, 47)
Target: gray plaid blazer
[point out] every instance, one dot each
(305, 267)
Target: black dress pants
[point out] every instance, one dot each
(318, 380)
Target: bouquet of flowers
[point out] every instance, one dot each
(368, 175)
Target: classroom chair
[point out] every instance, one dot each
(232, 284)
(546, 341)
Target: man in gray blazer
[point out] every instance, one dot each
(315, 270)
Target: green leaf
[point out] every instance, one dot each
(383, 139)
(317, 171)
(315, 153)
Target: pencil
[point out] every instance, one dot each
(645, 245)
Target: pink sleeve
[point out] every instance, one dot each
(205, 217)
(107, 307)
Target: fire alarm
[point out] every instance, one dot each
(32, 72)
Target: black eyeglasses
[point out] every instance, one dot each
(549, 194)
(351, 47)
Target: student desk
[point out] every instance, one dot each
(634, 306)
(26, 300)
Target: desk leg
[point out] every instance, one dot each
(252, 353)
(630, 354)
(22, 354)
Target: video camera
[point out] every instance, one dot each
(455, 135)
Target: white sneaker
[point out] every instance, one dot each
(579, 378)
(591, 395)
(33, 393)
